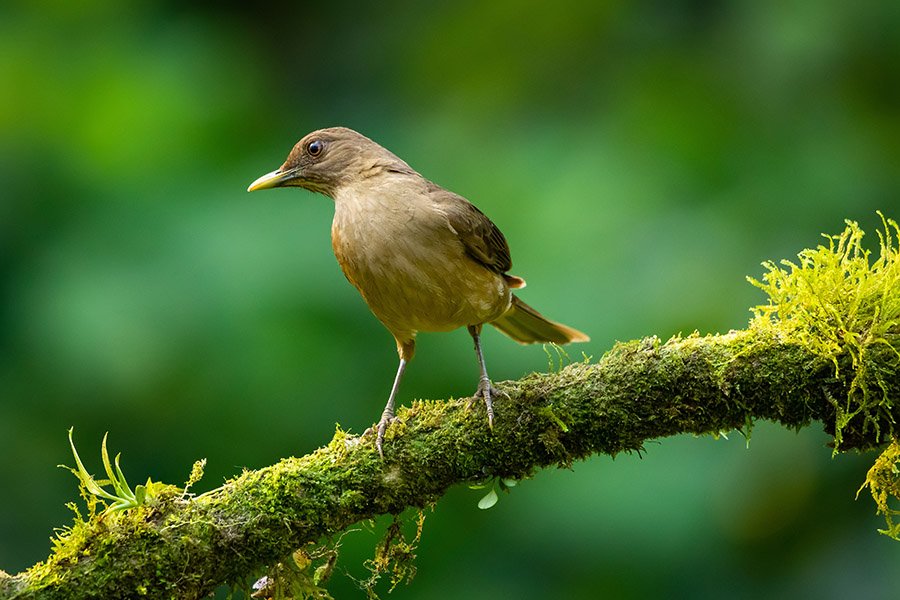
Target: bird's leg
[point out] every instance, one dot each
(406, 351)
(485, 389)
(388, 414)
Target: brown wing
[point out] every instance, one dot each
(480, 237)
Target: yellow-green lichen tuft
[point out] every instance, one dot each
(394, 555)
(883, 481)
(844, 307)
(301, 576)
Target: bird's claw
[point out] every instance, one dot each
(487, 391)
(380, 430)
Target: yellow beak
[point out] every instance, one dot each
(272, 180)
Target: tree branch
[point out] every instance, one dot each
(783, 368)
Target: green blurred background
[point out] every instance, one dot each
(641, 158)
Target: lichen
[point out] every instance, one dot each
(394, 555)
(301, 576)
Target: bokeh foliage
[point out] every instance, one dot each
(641, 158)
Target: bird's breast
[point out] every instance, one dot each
(411, 267)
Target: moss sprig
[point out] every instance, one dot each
(883, 481)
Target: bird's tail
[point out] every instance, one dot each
(527, 326)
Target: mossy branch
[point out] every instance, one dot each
(825, 349)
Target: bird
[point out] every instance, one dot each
(422, 257)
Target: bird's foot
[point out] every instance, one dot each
(379, 430)
(487, 391)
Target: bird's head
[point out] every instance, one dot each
(326, 159)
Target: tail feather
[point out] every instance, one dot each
(527, 326)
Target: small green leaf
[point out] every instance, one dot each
(105, 456)
(489, 500)
(140, 494)
(120, 483)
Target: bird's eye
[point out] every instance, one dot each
(315, 147)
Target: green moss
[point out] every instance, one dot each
(883, 481)
(844, 307)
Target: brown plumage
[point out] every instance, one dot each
(423, 258)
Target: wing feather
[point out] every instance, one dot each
(481, 239)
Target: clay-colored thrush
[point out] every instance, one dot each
(423, 258)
